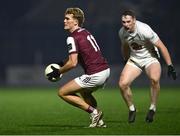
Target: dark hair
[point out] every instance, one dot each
(77, 14)
(129, 12)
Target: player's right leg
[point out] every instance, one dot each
(68, 94)
(128, 75)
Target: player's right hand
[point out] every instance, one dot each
(171, 72)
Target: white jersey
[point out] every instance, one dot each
(141, 41)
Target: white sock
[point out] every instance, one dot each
(152, 107)
(95, 111)
(132, 108)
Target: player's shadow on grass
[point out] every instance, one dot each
(114, 121)
(55, 125)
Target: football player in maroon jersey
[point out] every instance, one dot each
(83, 49)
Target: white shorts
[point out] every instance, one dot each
(95, 80)
(142, 63)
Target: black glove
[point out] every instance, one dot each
(56, 73)
(172, 72)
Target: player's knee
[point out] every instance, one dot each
(123, 85)
(61, 93)
(155, 82)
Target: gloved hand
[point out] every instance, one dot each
(172, 72)
(56, 73)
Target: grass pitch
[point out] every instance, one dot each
(30, 111)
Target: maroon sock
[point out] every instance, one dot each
(90, 109)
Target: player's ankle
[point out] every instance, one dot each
(132, 107)
(152, 107)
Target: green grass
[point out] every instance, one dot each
(31, 111)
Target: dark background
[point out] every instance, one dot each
(31, 31)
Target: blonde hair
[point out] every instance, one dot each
(77, 14)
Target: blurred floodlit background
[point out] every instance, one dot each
(32, 35)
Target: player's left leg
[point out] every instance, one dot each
(128, 75)
(153, 71)
(90, 99)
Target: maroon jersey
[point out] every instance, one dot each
(89, 54)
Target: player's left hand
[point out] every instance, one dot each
(56, 73)
(171, 72)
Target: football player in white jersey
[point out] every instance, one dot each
(140, 44)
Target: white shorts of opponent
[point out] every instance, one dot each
(95, 80)
(142, 63)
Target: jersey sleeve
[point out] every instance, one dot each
(72, 48)
(150, 35)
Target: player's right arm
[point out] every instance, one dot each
(125, 50)
(72, 60)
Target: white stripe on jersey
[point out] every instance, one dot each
(70, 42)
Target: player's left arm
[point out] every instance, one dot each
(165, 53)
(151, 36)
(69, 64)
